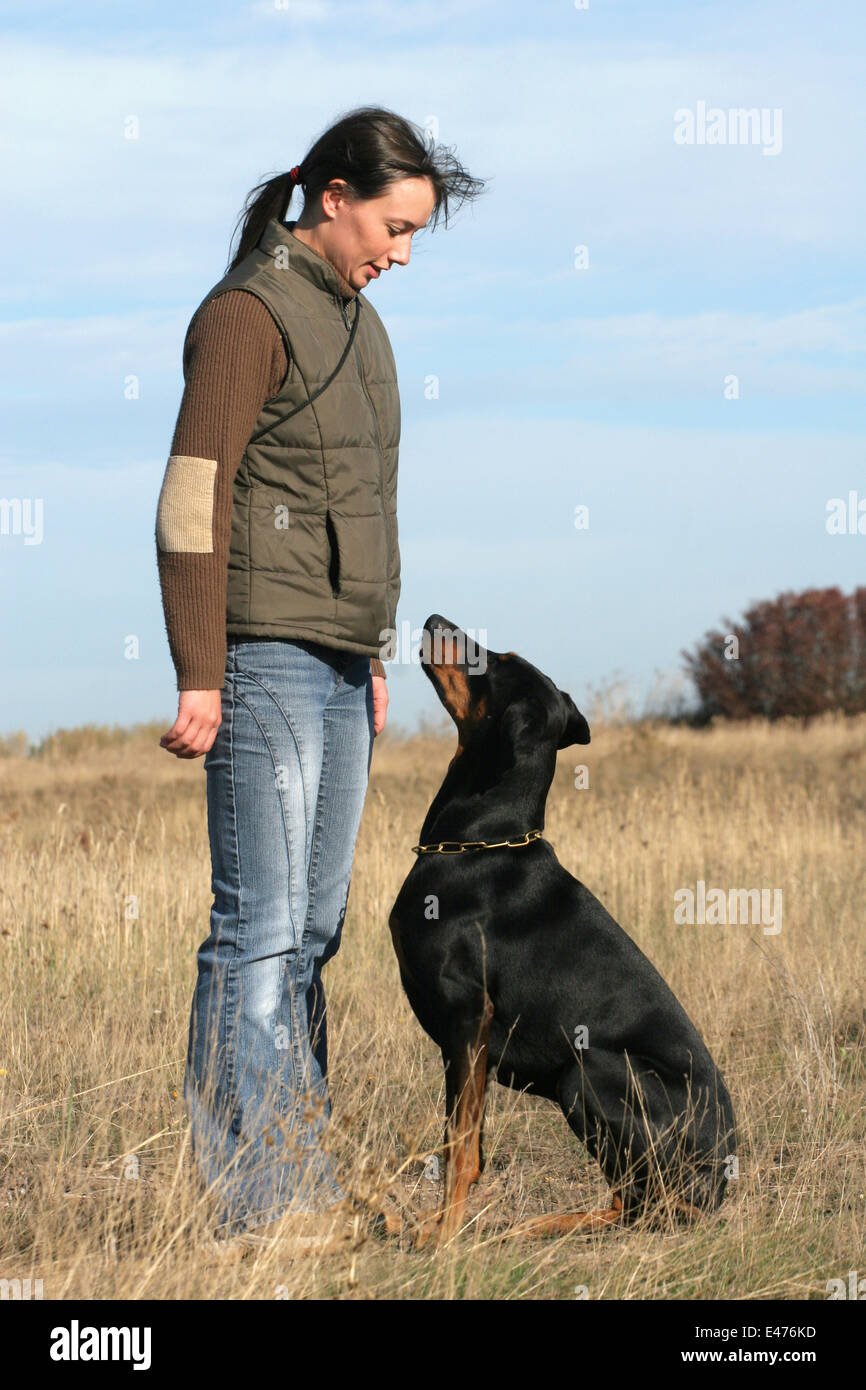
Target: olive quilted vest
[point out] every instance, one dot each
(314, 551)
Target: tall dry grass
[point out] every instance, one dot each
(97, 1194)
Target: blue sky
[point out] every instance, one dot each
(558, 386)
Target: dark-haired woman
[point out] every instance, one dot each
(279, 567)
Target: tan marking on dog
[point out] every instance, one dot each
(475, 715)
(455, 688)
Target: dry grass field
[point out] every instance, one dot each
(97, 1194)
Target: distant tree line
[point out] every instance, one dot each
(797, 655)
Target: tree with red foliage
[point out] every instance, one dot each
(799, 654)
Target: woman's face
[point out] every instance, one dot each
(366, 237)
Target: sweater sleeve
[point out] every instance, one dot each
(231, 364)
(234, 360)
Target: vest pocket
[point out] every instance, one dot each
(334, 566)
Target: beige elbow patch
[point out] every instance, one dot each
(184, 516)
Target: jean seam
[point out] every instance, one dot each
(315, 852)
(298, 1023)
(284, 1107)
(275, 698)
(228, 1012)
(315, 845)
(285, 817)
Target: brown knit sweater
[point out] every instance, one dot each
(234, 360)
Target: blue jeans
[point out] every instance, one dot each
(286, 780)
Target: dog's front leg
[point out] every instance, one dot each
(466, 1058)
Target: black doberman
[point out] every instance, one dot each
(511, 963)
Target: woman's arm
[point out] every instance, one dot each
(234, 360)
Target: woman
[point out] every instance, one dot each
(280, 573)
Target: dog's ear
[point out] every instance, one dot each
(576, 729)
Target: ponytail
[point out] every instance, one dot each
(268, 199)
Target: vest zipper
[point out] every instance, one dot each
(342, 305)
(385, 516)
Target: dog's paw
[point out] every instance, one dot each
(427, 1227)
(387, 1222)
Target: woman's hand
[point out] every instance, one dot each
(380, 703)
(199, 715)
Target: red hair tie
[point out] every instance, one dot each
(293, 173)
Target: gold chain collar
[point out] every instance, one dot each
(464, 845)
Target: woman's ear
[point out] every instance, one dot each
(576, 729)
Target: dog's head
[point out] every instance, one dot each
(497, 696)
